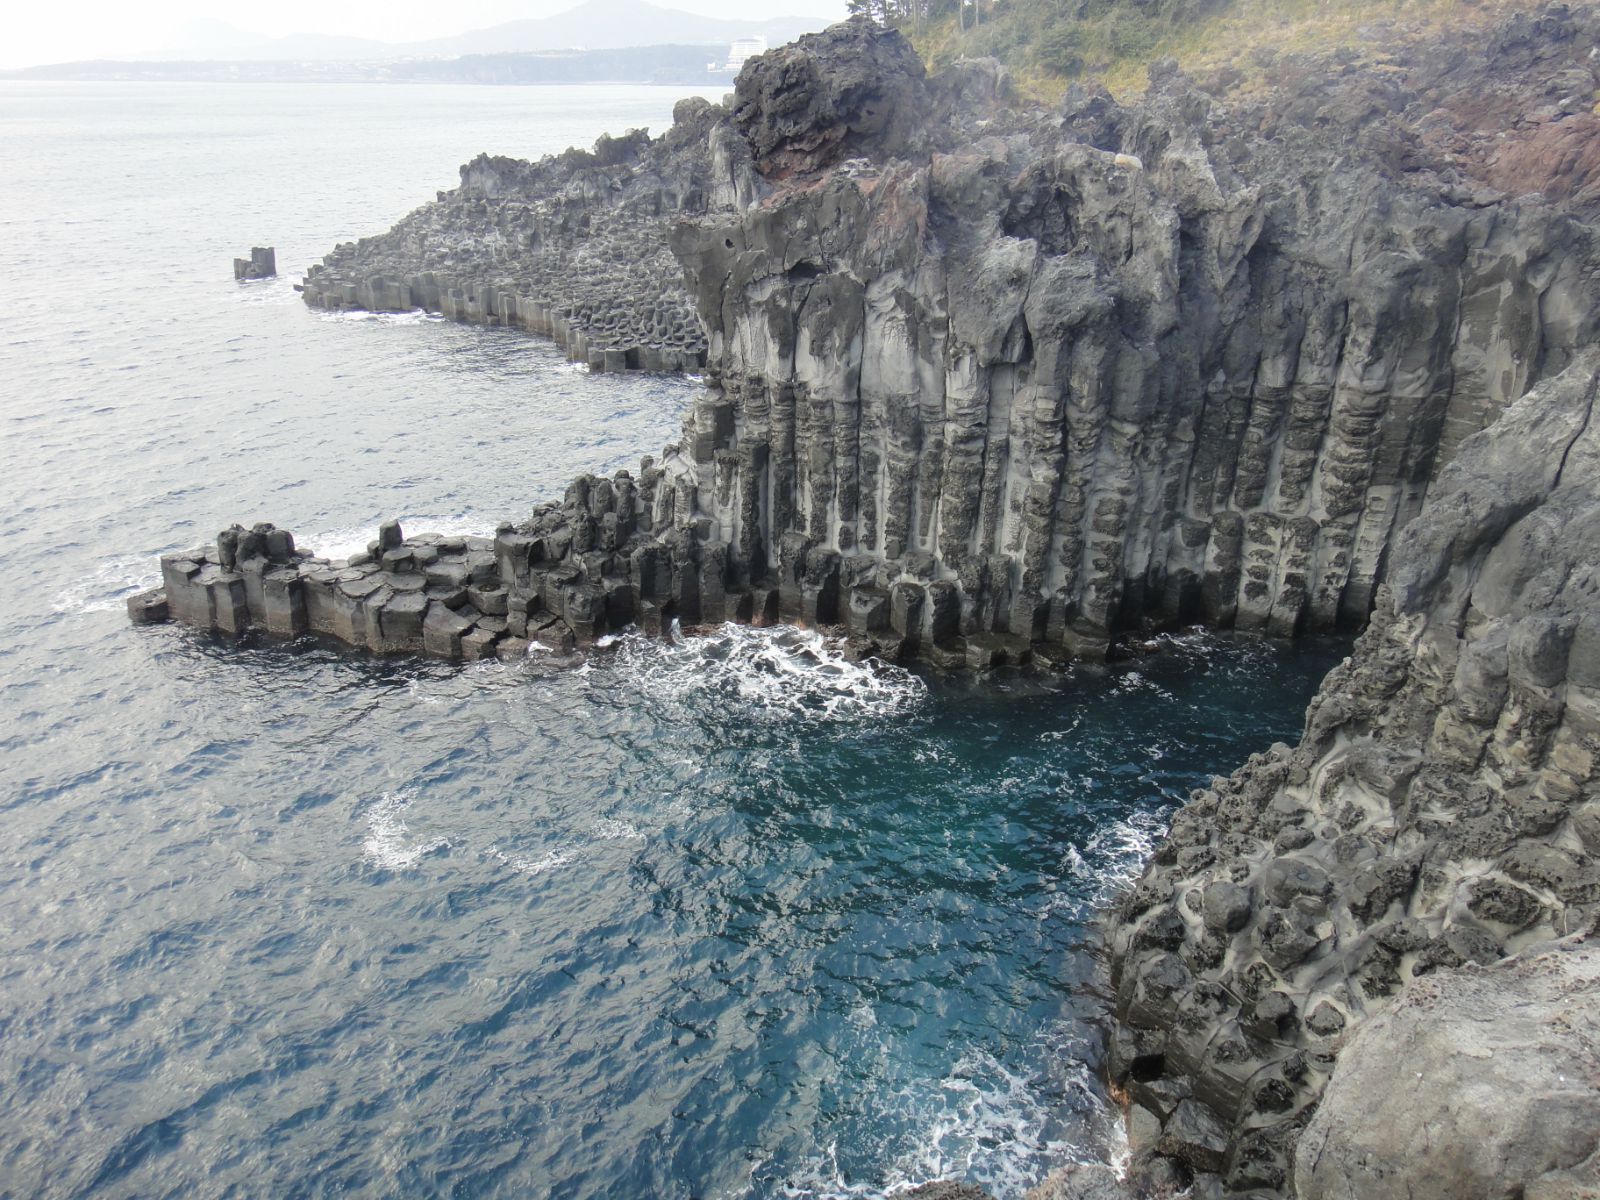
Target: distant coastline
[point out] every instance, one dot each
(596, 41)
(671, 65)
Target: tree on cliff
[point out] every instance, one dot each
(916, 14)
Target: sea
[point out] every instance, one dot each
(715, 917)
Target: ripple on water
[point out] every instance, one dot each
(861, 897)
(107, 586)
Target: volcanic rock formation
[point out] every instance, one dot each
(1442, 809)
(573, 247)
(996, 382)
(1465, 1041)
(987, 383)
(262, 264)
(999, 382)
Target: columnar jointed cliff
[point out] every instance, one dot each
(986, 383)
(1443, 808)
(1092, 370)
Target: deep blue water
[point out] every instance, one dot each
(730, 918)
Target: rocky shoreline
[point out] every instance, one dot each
(1438, 815)
(987, 384)
(573, 248)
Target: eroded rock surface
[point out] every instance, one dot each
(573, 247)
(1002, 383)
(1439, 812)
(1418, 1109)
(1105, 367)
(991, 383)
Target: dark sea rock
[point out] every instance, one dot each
(572, 247)
(842, 93)
(945, 1190)
(262, 264)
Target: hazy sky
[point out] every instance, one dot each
(43, 31)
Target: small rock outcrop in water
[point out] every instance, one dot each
(1001, 383)
(597, 561)
(262, 264)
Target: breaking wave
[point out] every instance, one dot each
(388, 844)
(1110, 861)
(415, 316)
(777, 674)
(996, 1124)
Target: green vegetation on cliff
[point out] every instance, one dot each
(1048, 44)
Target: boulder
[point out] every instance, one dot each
(1475, 1084)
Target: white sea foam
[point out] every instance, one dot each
(777, 674)
(560, 856)
(421, 692)
(415, 316)
(609, 829)
(388, 841)
(985, 1122)
(1111, 860)
(1136, 681)
(1064, 734)
(268, 291)
(106, 587)
(345, 540)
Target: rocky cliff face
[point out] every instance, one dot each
(1440, 811)
(1464, 1042)
(1098, 369)
(987, 383)
(572, 247)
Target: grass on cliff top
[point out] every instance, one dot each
(1047, 50)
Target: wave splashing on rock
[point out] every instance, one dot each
(773, 675)
(986, 1122)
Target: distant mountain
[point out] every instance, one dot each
(217, 41)
(683, 65)
(593, 25)
(611, 25)
(212, 71)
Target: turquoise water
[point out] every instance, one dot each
(721, 918)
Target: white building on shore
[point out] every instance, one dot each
(744, 49)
